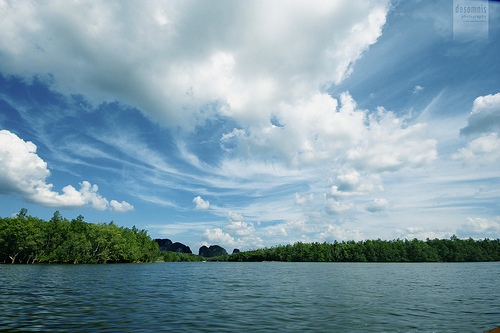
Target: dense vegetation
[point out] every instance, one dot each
(27, 239)
(170, 256)
(446, 250)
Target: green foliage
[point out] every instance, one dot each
(27, 239)
(444, 250)
(169, 256)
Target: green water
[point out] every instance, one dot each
(251, 297)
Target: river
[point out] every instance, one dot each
(251, 297)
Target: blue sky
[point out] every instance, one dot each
(251, 124)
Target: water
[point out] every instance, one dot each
(251, 297)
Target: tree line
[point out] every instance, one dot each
(430, 250)
(27, 239)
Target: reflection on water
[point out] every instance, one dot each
(251, 297)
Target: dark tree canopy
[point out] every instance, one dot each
(436, 250)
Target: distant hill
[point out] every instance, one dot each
(212, 251)
(167, 245)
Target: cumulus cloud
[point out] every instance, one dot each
(234, 217)
(240, 228)
(242, 239)
(264, 66)
(485, 115)
(276, 231)
(290, 227)
(25, 173)
(348, 182)
(484, 122)
(161, 58)
(389, 144)
(320, 129)
(336, 233)
(22, 169)
(334, 207)
(480, 228)
(217, 237)
(120, 207)
(236, 233)
(303, 200)
(200, 203)
(420, 233)
(354, 183)
(377, 205)
(484, 150)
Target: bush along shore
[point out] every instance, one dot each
(27, 239)
(431, 250)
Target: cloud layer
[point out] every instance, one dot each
(180, 64)
(266, 119)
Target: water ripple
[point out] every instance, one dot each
(250, 297)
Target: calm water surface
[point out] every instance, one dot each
(251, 297)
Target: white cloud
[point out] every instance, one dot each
(22, 169)
(303, 200)
(240, 229)
(234, 217)
(201, 204)
(89, 192)
(378, 205)
(236, 233)
(352, 182)
(484, 150)
(483, 121)
(263, 66)
(316, 131)
(25, 173)
(336, 194)
(389, 144)
(239, 235)
(289, 228)
(276, 231)
(217, 237)
(120, 207)
(420, 233)
(417, 89)
(348, 182)
(161, 58)
(485, 115)
(334, 207)
(338, 233)
(480, 228)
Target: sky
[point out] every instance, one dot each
(250, 124)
